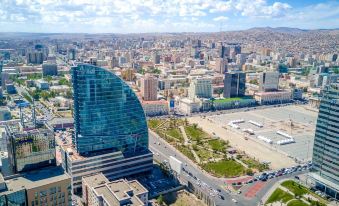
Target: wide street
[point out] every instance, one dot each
(47, 114)
(163, 151)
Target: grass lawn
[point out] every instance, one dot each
(203, 154)
(174, 133)
(228, 99)
(300, 190)
(251, 163)
(294, 187)
(195, 133)
(278, 195)
(225, 168)
(297, 203)
(153, 123)
(217, 145)
(186, 151)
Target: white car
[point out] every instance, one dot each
(234, 200)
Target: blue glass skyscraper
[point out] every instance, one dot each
(326, 143)
(107, 113)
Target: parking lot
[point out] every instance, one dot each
(295, 121)
(158, 182)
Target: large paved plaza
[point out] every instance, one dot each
(295, 121)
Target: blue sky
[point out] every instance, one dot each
(136, 16)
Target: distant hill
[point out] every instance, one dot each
(286, 29)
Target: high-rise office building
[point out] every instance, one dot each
(149, 88)
(201, 88)
(326, 143)
(35, 57)
(49, 69)
(269, 81)
(220, 65)
(156, 58)
(107, 113)
(71, 54)
(111, 134)
(240, 59)
(234, 84)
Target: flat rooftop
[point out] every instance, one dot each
(137, 187)
(95, 180)
(118, 191)
(35, 179)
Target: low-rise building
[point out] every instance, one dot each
(10, 88)
(41, 84)
(189, 106)
(5, 114)
(277, 97)
(155, 108)
(98, 190)
(60, 88)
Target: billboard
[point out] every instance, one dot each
(176, 165)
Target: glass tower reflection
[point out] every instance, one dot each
(107, 113)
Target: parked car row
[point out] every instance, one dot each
(269, 175)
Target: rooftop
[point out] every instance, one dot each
(35, 179)
(137, 187)
(95, 180)
(121, 190)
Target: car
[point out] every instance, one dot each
(219, 190)
(234, 200)
(239, 192)
(296, 177)
(221, 197)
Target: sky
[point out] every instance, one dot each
(141, 16)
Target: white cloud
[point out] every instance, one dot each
(156, 13)
(220, 18)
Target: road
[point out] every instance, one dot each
(48, 115)
(164, 150)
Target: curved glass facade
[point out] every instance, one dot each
(107, 113)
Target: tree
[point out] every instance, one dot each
(160, 200)
(64, 81)
(48, 78)
(45, 95)
(249, 172)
